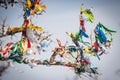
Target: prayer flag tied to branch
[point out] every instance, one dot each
(88, 13)
(35, 40)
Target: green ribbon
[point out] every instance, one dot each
(108, 30)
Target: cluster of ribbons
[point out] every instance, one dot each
(34, 7)
(76, 55)
(34, 38)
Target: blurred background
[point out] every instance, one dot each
(63, 16)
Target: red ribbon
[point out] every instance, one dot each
(24, 33)
(29, 44)
(37, 1)
(26, 23)
(8, 46)
(86, 61)
(96, 46)
(82, 25)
